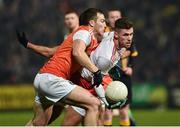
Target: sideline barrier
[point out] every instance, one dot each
(16, 96)
(149, 95)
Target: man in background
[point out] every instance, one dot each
(71, 20)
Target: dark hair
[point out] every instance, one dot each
(72, 11)
(114, 9)
(123, 23)
(88, 15)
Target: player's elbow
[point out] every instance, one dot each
(49, 52)
(47, 55)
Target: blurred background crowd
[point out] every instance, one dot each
(157, 35)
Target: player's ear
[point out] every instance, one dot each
(115, 35)
(91, 23)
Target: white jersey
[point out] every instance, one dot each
(105, 56)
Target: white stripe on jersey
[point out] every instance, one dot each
(83, 35)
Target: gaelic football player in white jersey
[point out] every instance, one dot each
(107, 54)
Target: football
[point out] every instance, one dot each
(116, 91)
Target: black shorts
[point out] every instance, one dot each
(127, 81)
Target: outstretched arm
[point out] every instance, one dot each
(43, 50)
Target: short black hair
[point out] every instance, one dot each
(113, 9)
(72, 11)
(123, 23)
(88, 15)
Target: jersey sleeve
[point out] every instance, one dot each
(83, 35)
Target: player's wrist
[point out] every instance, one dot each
(29, 45)
(97, 78)
(97, 72)
(95, 69)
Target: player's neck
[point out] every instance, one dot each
(73, 29)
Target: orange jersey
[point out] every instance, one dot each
(63, 64)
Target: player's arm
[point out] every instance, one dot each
(81, 40)
(83, 59)
(43, 50)
(134, 53)
(124, 53)
(81, 56)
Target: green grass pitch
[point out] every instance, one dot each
(143, 118)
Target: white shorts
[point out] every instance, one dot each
(82, 111)
(79, 110)
(51, 88)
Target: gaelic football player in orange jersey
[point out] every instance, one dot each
(72, 23)
(52, 83)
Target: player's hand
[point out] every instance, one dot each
(122, 52)
(97, 78)
(22, 38)
(117, 105)
(128, 71)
